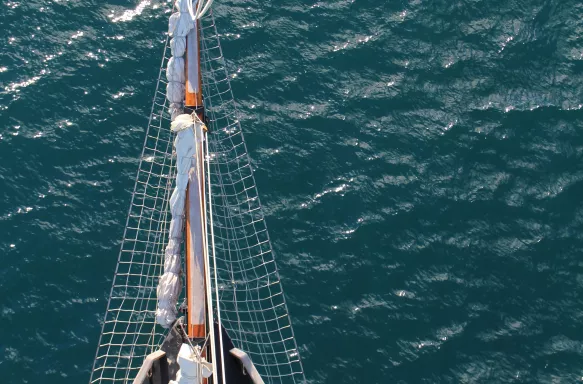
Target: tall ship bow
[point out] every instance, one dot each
(196, 296)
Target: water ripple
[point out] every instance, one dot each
(419, 166)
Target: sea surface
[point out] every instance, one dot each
(420, 164)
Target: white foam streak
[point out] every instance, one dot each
(130, 14)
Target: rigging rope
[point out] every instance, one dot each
(221, 349)
(200, 170)
(202, 6)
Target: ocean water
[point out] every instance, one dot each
(419, 162)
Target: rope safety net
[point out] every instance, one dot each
(251, 301)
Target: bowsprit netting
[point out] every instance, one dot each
(252, 304)
(129, 330)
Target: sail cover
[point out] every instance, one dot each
(252, 305)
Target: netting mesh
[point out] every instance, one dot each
(252, 304)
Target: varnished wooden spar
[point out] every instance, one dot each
(194, 268)
(195, 323)
(193, 97)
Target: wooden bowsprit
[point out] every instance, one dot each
(199, 303)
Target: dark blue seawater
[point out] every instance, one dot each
(420, 164)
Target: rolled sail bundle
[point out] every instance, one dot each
(179, 26)
(188, 135)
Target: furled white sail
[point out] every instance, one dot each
(185, 145)
(179, 25)
(188, 147)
